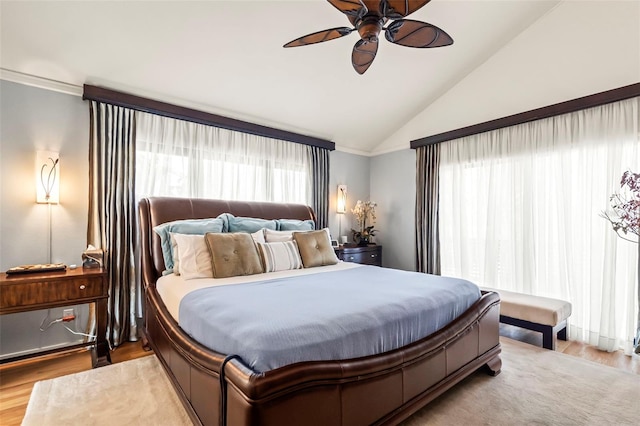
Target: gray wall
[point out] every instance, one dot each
(351, 170)
(31, 120)
(389, 180)
(393, 187)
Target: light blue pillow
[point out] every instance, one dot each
(249, 224)
(296, 225)
(186, 226)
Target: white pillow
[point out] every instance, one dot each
(272, 236)
(258, 236)
(280, 256)
(194, 260)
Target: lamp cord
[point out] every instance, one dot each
(50, 233)
(223, 389)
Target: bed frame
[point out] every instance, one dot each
(379, 389)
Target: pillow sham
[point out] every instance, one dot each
(315, 248)
(278, 236)
(233, 254)
(271, 236)
(249, 224)
(174, 253)
(185, 226)
(296, 225)
(192, 259)
(280, 256)
(258, 236)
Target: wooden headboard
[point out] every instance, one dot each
(154, 211)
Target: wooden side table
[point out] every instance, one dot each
(43, 290)
(366, 255)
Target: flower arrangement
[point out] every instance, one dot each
(625, 207)
(364, 211)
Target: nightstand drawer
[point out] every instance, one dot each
(366, 258)
(366, 255)
(47, 291)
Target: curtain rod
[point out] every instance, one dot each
(138, 103)
(602, 98)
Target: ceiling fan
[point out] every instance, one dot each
(369, 17)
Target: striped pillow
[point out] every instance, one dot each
(280, 256)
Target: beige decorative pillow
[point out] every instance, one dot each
(315, 248)
(233, 254)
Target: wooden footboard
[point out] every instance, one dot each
(380, 389)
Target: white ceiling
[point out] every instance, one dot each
(226, 57)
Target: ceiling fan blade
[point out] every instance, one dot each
(397, 9)
(364, 52)
(407, 32)
(351, 8)
(320, 36)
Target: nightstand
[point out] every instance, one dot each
(366, 255)
(43, 290)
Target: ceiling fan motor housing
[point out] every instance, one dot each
(369, 27)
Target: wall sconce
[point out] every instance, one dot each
(47, 177)
(341, 207)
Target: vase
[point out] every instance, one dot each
(363, 241)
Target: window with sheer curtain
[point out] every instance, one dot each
(520, 210)
(184, 159)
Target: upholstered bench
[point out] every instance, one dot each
(543, 314)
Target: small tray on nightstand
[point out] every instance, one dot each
(46, 267)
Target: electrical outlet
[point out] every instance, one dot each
(68, 313)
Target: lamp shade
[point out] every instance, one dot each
(47, 177)
(341, 206)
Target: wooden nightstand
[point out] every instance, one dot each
(43, 290)
(366, 255)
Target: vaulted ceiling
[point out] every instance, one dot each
(226, 57)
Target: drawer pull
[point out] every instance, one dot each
(373, 255)
(351, 257)
(82, 287)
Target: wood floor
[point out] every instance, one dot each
(17, 379)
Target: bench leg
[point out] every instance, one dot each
(548, 332)
(562, 334)
(548, 341)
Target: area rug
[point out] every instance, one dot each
(538, 387)
(135, 392)
(535, 387)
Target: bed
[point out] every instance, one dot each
(382, 388)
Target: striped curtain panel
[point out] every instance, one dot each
(320, 185)
(112, 220)
(427, 220)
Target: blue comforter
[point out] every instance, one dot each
(326, 316)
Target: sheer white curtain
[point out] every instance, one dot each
(520, 210)
(184, 159)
